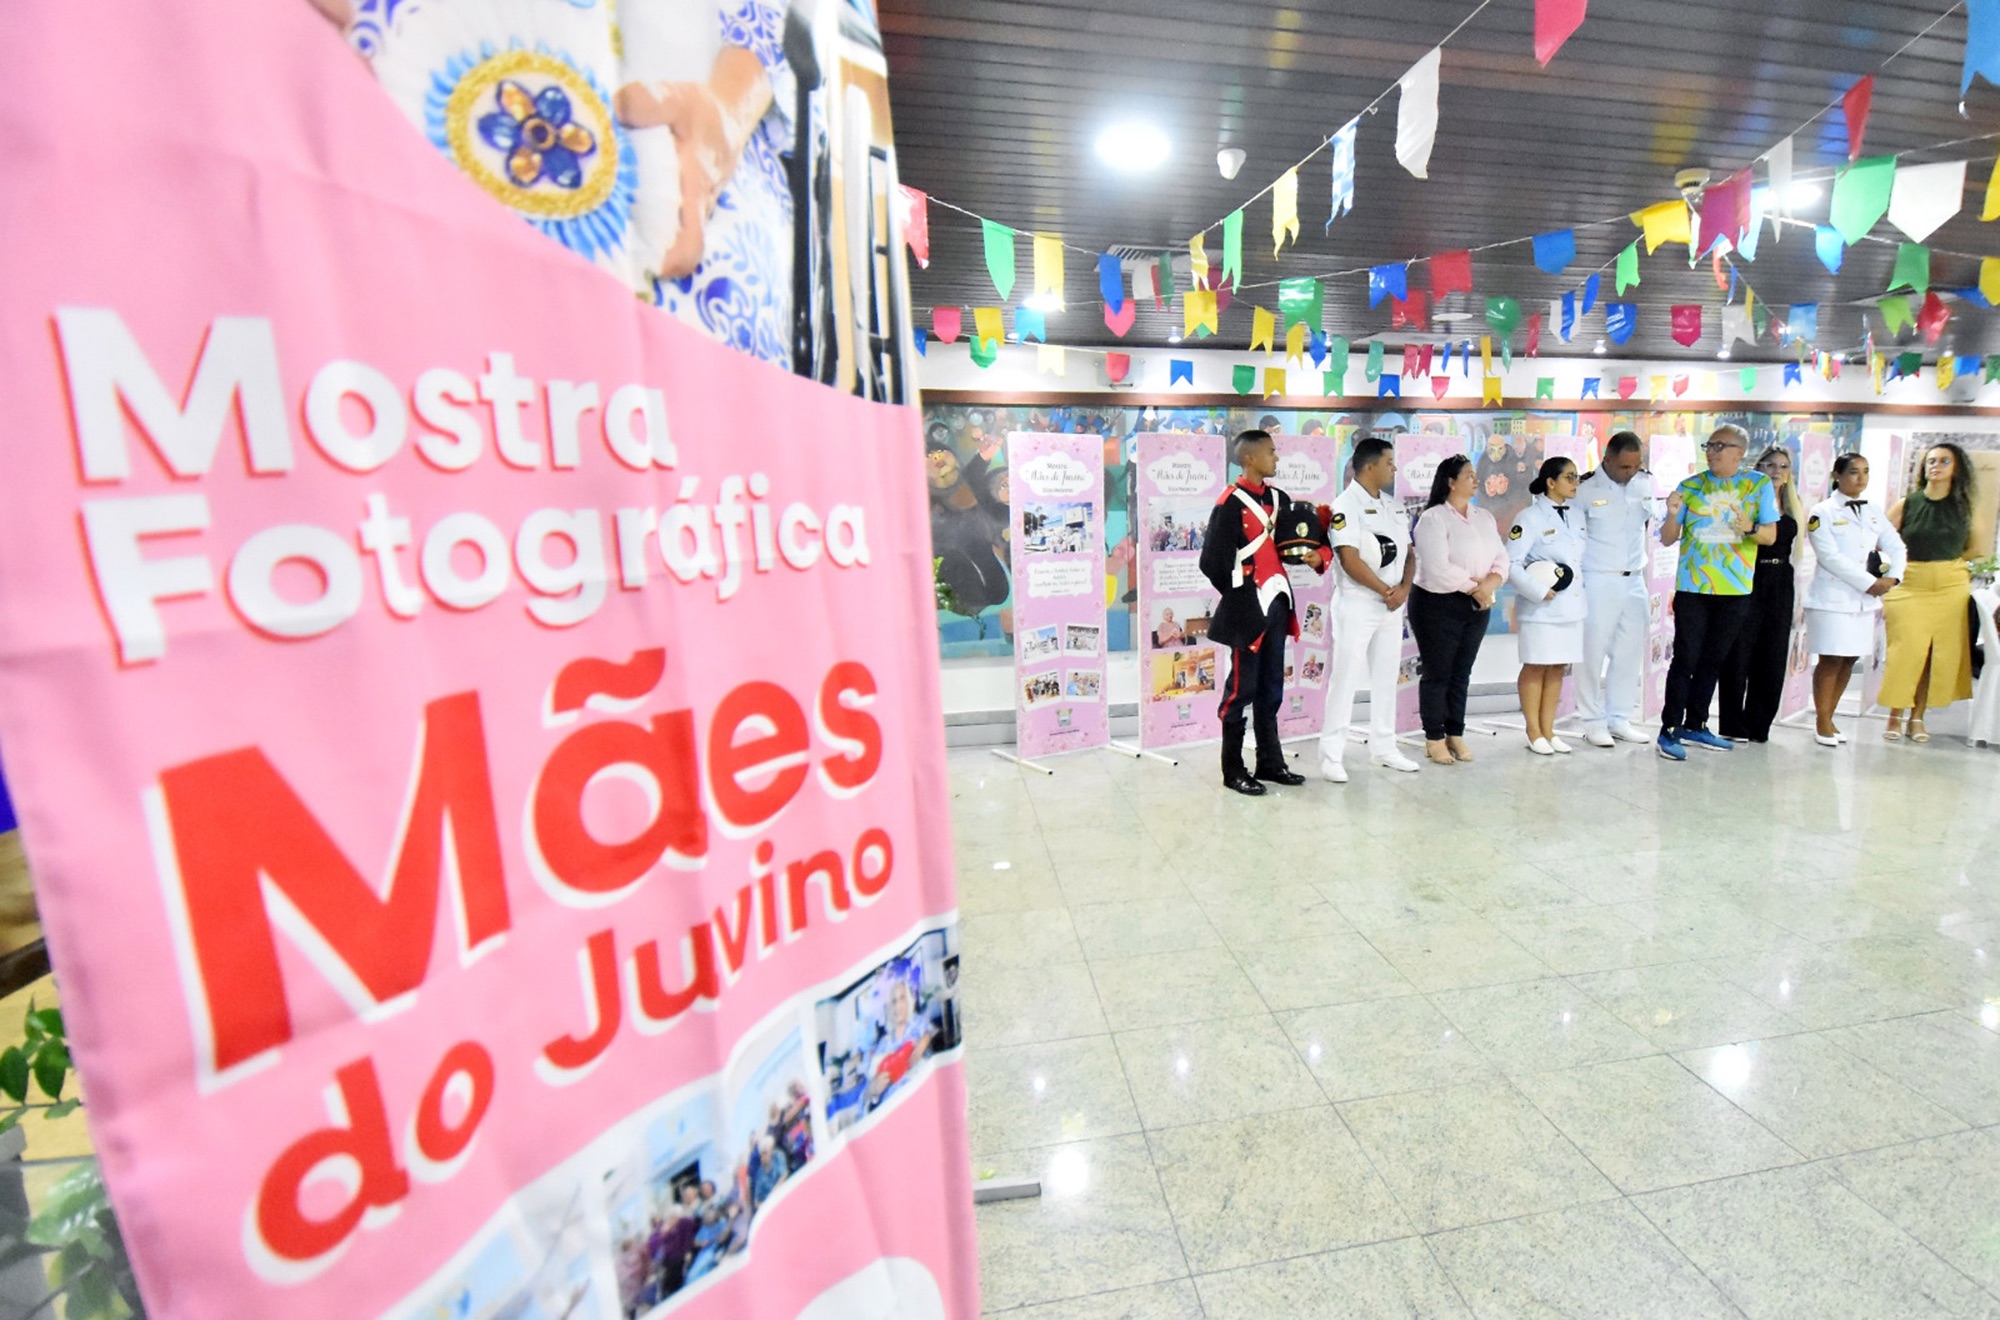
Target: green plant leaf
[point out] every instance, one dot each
(12, 1119)
(14, 1074)
(64, 1108)
(50, 1020)
(74, 1211)
(52, 1069)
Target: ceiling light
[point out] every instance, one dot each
(1229, 160)
(1803, 193)
(1599, 350)
(1173, 339)
(1723, 354)
(1043, 302)
(1133, 148)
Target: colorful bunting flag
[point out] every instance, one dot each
(1333, 384)
(1855, 106)
(1440, 383)
(1163, 282)
(1778, 162)
(1534, 337)
(1262, 327)
(1896, 314)
(1284, 210)
(1725, 210)
(1111, 282)
(1489, 389)
(1910, 364)
(1628, 268)
(1627, 386)
(1555, 21)
(1736, 325)
(1198, 260)
(1030, 324)
(1760, 206)
(1343, 171)
(984, 352)
(916, 221)
(1620, 320)
(1451, 272)
(1506, 355)
(1968, 365)
(1657, 388)
(1232, 249)
(1590, 287)
(1417, 115)
(1664, 222)
(1933, 318)
(1591, 385)
(1049, 267)
(1875, 371)
(1925, 196)
(1142, 283)
(1444, 364)
(1274, 382)
(1424, 360)
(1117, 366)
(1295, 344)
(1982, 44)
(987, 327)
(1120, 322)
(1554, 252)
(1913, 268)
(1374, 370)
(1316, 347)
(1502, 313)
(1180, 371)
(923, 342)
(1411, 313)
(999, 256)
(1335, 375)
(1565, 314)
(1392, 281)
(1747, 378)
(1989, 279)
(1992, 372)
(946, 322)
(1947, 370)
(1465, 357)
(1861, 196)
(1389, 387)
(1687, 324)
(1830, 247)
(1410, 359)
(1545, 387)
(1244, 378)
(1792, 373)
(1336, 354)
(1486, 354)
(1299, 301)
(1049, 360)
(1990, 208)
(1802, 322)
(1199, 315)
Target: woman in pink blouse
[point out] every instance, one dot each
(1460, 565)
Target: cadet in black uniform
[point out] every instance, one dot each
(1240, 557)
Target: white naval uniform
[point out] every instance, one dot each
(1840, 614)
(1367, 634)
(1617, 523)
(1550, 631)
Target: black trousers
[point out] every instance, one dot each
(1449, 632)
(1255, 690)
(1753, 673)
(1705, 628)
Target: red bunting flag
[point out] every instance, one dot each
(1410, 361)
(1687, 324)
(1118, 365)
(1931, 320)
(1424, 360)
(1627, 386)
(916, 223)
(1859, 97)
(1555, 21)
(1680, 386)
(1725, 211)
(1439, 384)
(1451, 272)
(1120, 321)
(1535, 335)
(1411, 313)
(946, 322)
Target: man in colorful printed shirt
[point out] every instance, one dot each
(1719, 518)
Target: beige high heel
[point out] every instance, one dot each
(1459, 751)
(1918, 734)
(1435, 752)
(1893, 731)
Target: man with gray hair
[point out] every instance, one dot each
(1718, 518)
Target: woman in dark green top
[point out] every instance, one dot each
(1930, 646)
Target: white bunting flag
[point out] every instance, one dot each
(1417, 116)
(1926, 196)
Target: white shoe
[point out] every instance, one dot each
(1838, 736)
(1332, 771)
(1394, 760)
(1626, 733)
(1824, 741)
(1540, 747)
(1599, 738)
(1562, 748)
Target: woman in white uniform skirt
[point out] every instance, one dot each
(1545, 556)
(1846, 593)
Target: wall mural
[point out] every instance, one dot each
(970, 505)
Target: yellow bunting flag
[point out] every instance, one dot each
(1295, 343)
(1284, 210)
(1991, 210)
(1947, 370)
(1198, 258)
(1989, 279)
(1658, 388)
(986, 325)
(1263, 327)
(1875, 370)
(1666, 222)
(1049, 359)
(1049, 266)
(1486, 354)
(1274, 382)
(1198, 314)
(1489, 388)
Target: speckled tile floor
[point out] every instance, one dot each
(1596, 1036)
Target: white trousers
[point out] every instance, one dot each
(1366, 639)
(1614, 637)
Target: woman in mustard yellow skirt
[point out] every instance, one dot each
(1930, 646)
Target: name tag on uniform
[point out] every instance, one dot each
(1842, 522)
(1548, 531)
(1598, 504)
(1371, 512)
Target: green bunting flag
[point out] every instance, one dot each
(1913, 268)
(1336, 362)
(1992, 367)
(1545, 387)
(1166, 277)
(1861, 196)
(1245, 379)
(1896, 313)
(984, 351)
(1299, 302)
(1374, 360)
(1628, 267)
(1232, 250)
(1502, 313)
(1910, 364)
(1748, 377)
(1000, 256)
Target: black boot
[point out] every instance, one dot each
(1234, 776)
(1271, 767)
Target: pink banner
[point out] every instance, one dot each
(1058, 538)
(1307, 472)
(1179, 480)
(1815, 474)
(1417, 459)
(487, 811)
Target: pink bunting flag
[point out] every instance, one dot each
(1118, 365)
(946, 322)
(1120, 321)
(1555, 22)
(1409, 361)
(916, 223)
(1687, 324)
(1855, 104)
(1725, 211)
(1680, 386)
(1439, 384)
(1627, 386)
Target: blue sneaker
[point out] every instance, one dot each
(1703, 738)
(1670, 747)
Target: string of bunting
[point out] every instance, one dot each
(1727, 226)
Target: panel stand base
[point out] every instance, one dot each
(990, 1190)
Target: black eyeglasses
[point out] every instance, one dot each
(1717, 446)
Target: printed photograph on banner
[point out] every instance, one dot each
(540, 1258)
(771, 1136)
(1182, 673)
(1178, 621)
(675, 1209)
(1083, 684)
(1042, 643)
(1312, 622)
(879, 1036)
(1176, 525)
(1040, 689)
(1083, 639)
(1055, 528)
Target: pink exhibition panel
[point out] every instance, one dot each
(1180, 670)
(487, 808)
(1057, 484)
(1307, 473)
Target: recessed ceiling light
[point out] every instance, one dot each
(1173, 339)
(1803, 193)
(1599, 350)
(1043, 302)
(1133, 147)
(1723, 354)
